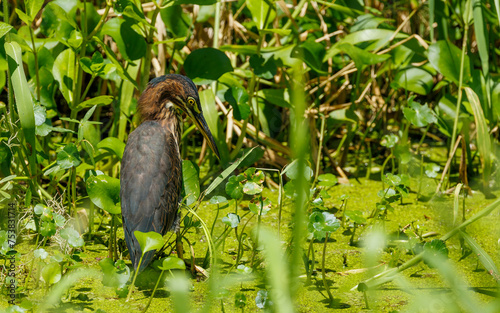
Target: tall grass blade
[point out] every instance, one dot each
(276, 272)
(483, 135)
(432, 6)
(301, 145)
(456, 203)
(481, 35)
(179, 288)
(24, 100)
(465, 298)
(224, 175)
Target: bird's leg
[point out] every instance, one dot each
(178, 242)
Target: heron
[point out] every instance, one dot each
(151, 169)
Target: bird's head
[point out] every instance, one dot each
(167, 94)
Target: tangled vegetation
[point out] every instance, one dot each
(358, 143)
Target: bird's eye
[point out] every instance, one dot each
(191, 101)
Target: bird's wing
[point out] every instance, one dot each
(150, 182)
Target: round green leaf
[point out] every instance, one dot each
(234, 188)
(419, 115)
(112, 144)
(130, 44)
(414, 79)
(73, 237)
(114, 274)
(51, 273)
(172, 262)
(104, 191)
(327, 180)
(252, 188)
(69, 157)
(218, 200)
(206, 65)
(41, 254)
(149, 241)
(445, 57)
(240, 301)
(231, 219)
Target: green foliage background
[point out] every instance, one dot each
(322, 88)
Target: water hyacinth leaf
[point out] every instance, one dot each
(419, 115)
(149, 241)
(113, 145)
(232, 220)
(215, 64)
(262, 11)
(51, 273)
(414, 79)
(114, 274)
(104, 191)
(445, 57)
(171, 263)
(327, 180)
(73, 237)
(191, 181)
(234, 188)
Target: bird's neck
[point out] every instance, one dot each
(171, 122)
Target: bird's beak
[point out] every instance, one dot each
(200, 122)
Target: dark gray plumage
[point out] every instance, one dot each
(151, 169)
